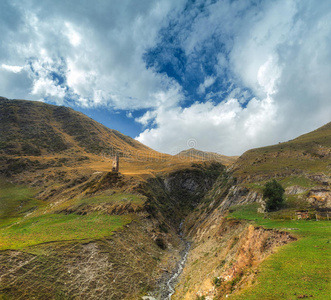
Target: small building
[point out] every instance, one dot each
(302, 214)
(116, 165)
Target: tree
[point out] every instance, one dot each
(274, 193)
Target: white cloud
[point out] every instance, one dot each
(99, 48)
(73, 36)
(210, 80)
(46, 87)
(268, 75)
(14, 69)
(282, 52)
(215, 127)
(146, 118)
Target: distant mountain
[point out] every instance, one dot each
(195, 154)
(36, 128)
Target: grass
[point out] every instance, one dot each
(297, 180)
(59, 227)
(301, 181)
(108, 197)
(305, 154)
(299, 269)
(113, 198)
(16, 201)
(18, 229)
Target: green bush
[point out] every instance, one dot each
(274, 193)
(217, 281)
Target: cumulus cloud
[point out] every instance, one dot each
(98, 45)
(214, 127)
(279, 52)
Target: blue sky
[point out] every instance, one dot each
(228, 75)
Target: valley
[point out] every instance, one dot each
(70, 228)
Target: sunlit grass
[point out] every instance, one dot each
(18, 229)
(59, 227)
(113, 198)
(16, 201)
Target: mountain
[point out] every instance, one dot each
(195, 154)
(35, 128)
(37, 136)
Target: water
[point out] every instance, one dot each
(167, 288)
(173, 280)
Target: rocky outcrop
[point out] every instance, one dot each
(238, 195)
(320, 197)
(295, 190)
(175, 195)
(225, 256)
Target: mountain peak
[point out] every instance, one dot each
(195, 154)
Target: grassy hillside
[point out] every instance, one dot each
(307, 154)
(26, 221)
(107, 236)
(67, 221)
(36, 128)
(297, 270)
(39, 140)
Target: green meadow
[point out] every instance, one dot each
(19, 228)
(300, 269)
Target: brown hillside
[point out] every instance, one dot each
(36, 128)
(39, 140)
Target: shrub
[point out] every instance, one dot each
(274, 193)
(217, 281)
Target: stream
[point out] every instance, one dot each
(173, 280)
(180, 266)
(168, 287)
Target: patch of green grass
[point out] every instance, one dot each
(285, 182)
(16, 201)
(108, 197)
(296, 202)
(245, 212)
(113, 198)
(297, 180)
(59, 227)
(296, 269)
(258, 187)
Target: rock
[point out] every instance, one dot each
(295, 189)
(320, 197)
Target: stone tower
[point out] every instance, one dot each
(116, 164)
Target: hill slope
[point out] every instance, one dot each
(308, 154)
(36, 128)
(37, 136)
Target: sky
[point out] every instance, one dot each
(217, 75)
